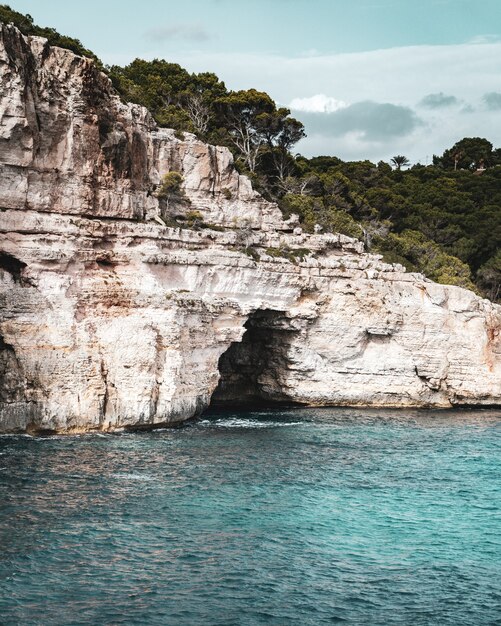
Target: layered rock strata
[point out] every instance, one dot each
(116, 313)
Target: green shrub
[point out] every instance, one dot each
(427, 257)
(252, 252)
(194, 218)
(170, 185)
(489, 277)
(291, 254)
(313, 210)
(299, 253)
(274, 252)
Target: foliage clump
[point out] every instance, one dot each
(291, 254)
(322, 211)
(194, 219)
(27, 27)
(441, 221)
(470, 153)
(259, 133)
(417, 253)
(170, 185)
(489, 277)
(250, 252)
(173, 200)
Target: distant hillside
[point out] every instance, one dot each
(443, 220)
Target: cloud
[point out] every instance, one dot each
(369, 121)
(438, 101)
(191, 32)
(400, 76)
(319, 103)
(492, 101)
(483, 39)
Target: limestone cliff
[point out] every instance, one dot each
(109, 318)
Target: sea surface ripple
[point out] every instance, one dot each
(305, 516)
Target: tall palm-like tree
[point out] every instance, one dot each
(400, 161)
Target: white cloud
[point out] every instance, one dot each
(320, 103)
(481, 39)
(398, 76)
(191, 32)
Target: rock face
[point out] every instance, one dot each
(110, 318)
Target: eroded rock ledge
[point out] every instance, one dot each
(111, 319)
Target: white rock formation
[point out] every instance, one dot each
(110, 319)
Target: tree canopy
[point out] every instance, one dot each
(443, 223)
(443, 220)
(247, 121)
(400, 161)
(27, 27)
(470, 153)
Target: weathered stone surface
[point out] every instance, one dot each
(110, 319)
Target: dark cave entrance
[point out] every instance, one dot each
(253, 370)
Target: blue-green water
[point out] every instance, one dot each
(291, 517)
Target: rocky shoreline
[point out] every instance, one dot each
(124, 309)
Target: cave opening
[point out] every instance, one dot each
(13, 266)
(253, 370)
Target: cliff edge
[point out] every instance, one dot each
(125, 307)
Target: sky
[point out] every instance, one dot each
(369, 78)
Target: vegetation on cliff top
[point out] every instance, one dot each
(443, 220)
(27, 27)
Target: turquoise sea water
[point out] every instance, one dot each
(286, 517)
